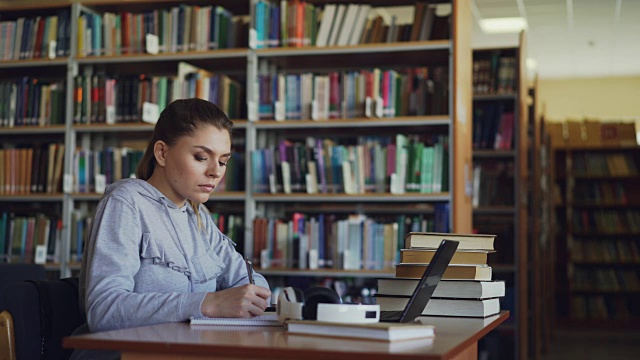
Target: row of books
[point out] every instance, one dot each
(504, 229)
(93, 170)
(229, 224)
(466, 288)
(180, 28)
(587, 279)
(31, 169)
(100, 98)
(599, 164)
(602, 192)
(375, 165)
(602, 307)
(80, 230)
(300, 23)
(606, 221)
(493, 126)
(232, 225)
(350, 242)
(606, 251)
(496, 75)
(36, 37)
(36, 238)
(352, 94)
(29, 239)
(493, 184)
(31, 102)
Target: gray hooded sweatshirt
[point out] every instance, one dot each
(147, 262)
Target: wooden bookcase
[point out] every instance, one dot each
(597, 261)
(542, 228)
(242, 63)
(541, 251)
(500, 157)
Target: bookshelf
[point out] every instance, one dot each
(545, 222)
(540, 224)
(597, 257)
(87, 130)
(500, 176)
(365, 202)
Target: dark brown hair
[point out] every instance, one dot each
(181, 118)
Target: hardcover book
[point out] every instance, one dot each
(453, 272)
(444, 307)
(475, 257)
(461, 289)
(433, 239)
(370, 331)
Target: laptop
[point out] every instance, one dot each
(426, 286)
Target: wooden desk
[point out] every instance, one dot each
(456, 338)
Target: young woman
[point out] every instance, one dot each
(154, 254)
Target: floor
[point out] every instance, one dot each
(591, 345)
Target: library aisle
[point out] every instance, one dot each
(592, 345)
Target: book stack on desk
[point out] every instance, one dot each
(466, 288)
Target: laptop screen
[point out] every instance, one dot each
(429, 281)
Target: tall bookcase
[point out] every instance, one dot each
(500, 158)
(542, 224)
(597, 261)
(449, 57)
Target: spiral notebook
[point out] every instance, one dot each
(262, 320)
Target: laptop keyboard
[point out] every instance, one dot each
(390, 316)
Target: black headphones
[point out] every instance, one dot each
(293, 303)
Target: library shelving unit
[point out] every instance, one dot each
(284, 137)
(96, 133)
(541, 324)
(597, 258)
(31, 203)
(542, 228)
(500, 157)
(445, 63)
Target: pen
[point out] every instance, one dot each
(249, 270)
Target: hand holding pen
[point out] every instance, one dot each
(252, 281)
(249, 270)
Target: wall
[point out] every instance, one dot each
(612, 98)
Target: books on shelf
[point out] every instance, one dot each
(324, 240)
(370, 331)
(29, 239)
(444, 307)
(322, 166)
(494, 73)
(36, 37)
(432, 239)
(32, 169)
(453, 272)
(298, 24)
(173, 28)
(104, 98)
(457, 289)
(493, 183)
(31, 101)
(365, 93)
(493, 125)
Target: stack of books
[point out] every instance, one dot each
(466, 288)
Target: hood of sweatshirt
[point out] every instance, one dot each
(147, 190)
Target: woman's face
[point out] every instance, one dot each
(194, 165)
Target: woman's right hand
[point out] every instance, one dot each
(238, 302)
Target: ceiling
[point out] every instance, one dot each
(570, 38)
